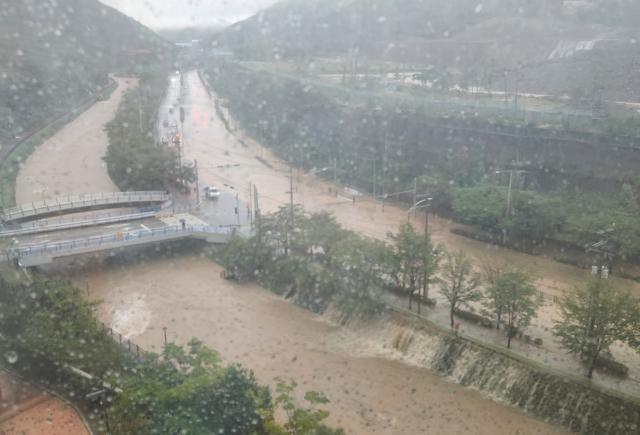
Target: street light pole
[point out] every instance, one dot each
(509, 194)
(335, 175)
(197, 183)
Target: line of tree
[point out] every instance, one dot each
(315, 262)
(134, 159)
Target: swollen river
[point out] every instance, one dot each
(249, 325)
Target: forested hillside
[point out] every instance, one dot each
(550, 45)
(58, 53)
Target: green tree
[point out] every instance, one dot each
(459, 283)
(190, 392)
(52, 323)
(593, 317)
(360, 261)
(303, 421)
(513, 299)
(408, 260)
(492, 270)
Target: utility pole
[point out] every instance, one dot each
(509, 193)
(291, 223)
(238, 208)
(374, 178)
(291, 192)
(256, 208)
(425, 277)
(335, 175)
(139, 115)
(195, 165)
(415, 196)
(506, 101)
(384, 172)
(249, 210)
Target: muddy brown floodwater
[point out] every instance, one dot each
(248, 324)
(70, 162)
(274, 338)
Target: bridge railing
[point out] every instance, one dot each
(48, 225)
(121, 238)
(83, 201)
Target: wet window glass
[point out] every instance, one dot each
(319, 217)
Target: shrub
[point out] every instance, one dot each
(475, 318)
(606, 364)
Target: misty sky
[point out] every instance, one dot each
(183, 13)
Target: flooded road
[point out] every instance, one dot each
(235, 160)
(70, 162)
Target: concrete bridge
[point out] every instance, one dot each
(78, 204)
(45, 253)
(67, 223)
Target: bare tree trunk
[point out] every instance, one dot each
(451, 314)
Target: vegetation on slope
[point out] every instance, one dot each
(57, 54)
(382, 144)
(477, 43)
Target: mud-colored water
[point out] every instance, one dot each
(250, 325)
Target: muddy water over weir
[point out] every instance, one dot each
(249, 325)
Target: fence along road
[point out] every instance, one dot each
(45, 253)
(76, 204)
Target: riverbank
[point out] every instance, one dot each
(274, 338)
(13, 156)
(70, 161)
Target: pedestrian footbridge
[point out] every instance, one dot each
(78, 204)
(45, 253)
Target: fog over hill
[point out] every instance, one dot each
(57, 53)
(547, 43)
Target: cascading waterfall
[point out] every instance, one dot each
(548, 396)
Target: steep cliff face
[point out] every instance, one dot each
(568, 402)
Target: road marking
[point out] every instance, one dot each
(144, 227)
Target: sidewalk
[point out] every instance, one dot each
(28, 410)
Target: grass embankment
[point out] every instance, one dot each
(10, 165)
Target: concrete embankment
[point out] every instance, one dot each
(554, 397)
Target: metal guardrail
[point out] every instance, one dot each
(110, 241)
(80, 202)
(43, 226)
